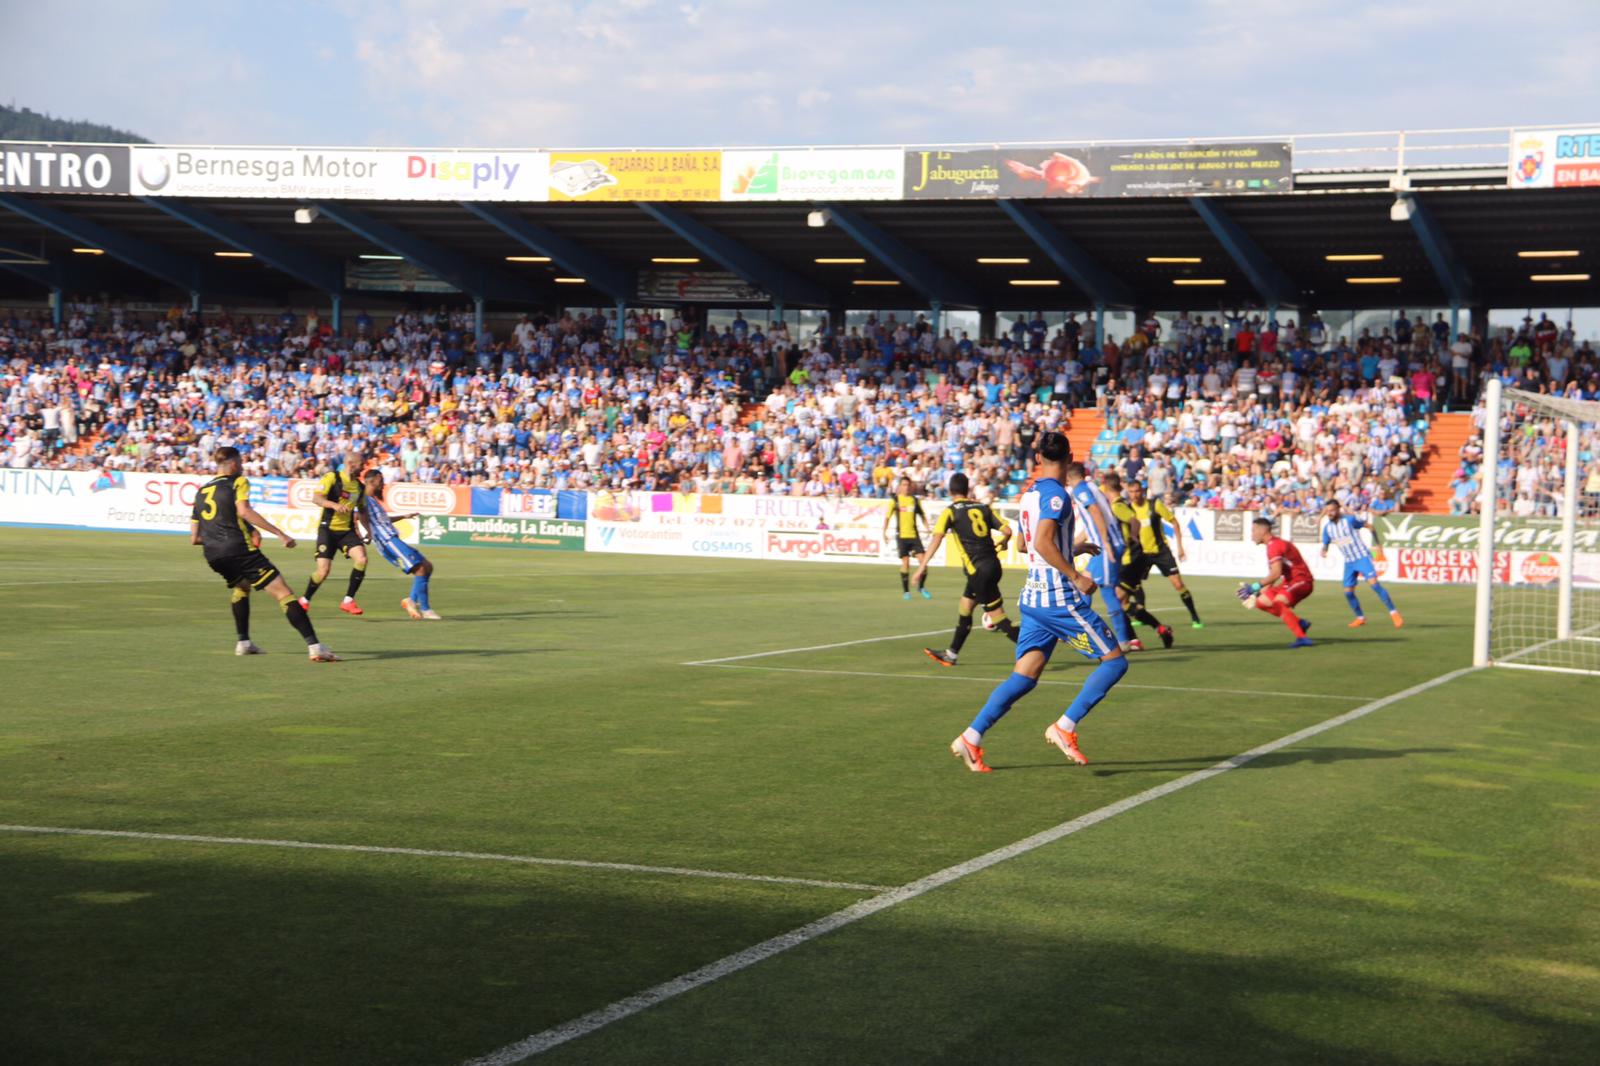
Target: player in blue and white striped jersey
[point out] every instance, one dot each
(392, 547)
(1102, 529)
(1343, 531)
(1056, 606)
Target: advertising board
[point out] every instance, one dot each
(68, 168)
(635, 176)
(1554, 159)
(546, 534)
(1099, 171)
(339, 173)
(815, 174)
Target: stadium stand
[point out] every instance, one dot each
(1234, 412)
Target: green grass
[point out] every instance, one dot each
(1421, 885)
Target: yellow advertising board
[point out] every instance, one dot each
(633, 176)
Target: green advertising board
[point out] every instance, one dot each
(1407, 530)
(547, 534)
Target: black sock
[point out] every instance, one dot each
(959, 637)
(241, 617)
(1144, 616)
(923, 580)
(1188, 601)
(300, 620)
(356, 577)
(311, 588)
(905, 581)
(1009, 628)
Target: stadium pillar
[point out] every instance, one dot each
(1100, 326)
(987, 319)
(1455, 319)
(837, 319)
(55, 307)
(777, 311)
(622, 318)
(935, 316)
(194, 301)
(1272, 312)
(338, 315)
(477, 318)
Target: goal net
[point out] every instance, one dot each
(1539, 533)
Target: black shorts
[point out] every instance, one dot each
(1135, 573)
(252, 569)
(908, 546)
(983, 583)
(330, 541)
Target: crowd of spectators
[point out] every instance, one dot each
(1231, 411)
(1530, 478)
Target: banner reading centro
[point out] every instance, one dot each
(1555, 159)
(635, 176)
(80, 168)
(1099, 171)
(340, 173)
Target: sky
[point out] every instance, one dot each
(716, 73)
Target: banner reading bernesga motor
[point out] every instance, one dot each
(1099, 171)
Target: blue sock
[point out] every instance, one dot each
(1116, 616)
(1000, 700)
(1095, 687)
(1355, 604)
(1383, 594)
(419, 592)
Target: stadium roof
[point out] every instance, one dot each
(1458, 243)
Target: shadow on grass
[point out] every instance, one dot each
(429, 653)
(1270, 761)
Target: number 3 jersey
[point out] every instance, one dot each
(1047, 586)
(216, 509)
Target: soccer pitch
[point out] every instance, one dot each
(603, 773)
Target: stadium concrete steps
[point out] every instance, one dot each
(1083, 429)
(1430, 485)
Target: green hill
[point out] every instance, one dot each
(25, 124)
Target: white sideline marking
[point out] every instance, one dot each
(741, 960)
(944, 676)
(372, 849)
(814, 647)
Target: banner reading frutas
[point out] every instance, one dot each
(635, 176)
(818, 174)
(1099, 171)
(1555, 159)
(70, 168)
(340, 173)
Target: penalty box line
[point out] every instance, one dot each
(375, 849)
(742, 960)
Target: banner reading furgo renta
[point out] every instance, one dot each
(1099, 171)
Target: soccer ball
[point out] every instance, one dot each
(988, 623)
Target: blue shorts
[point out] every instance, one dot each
(399, 553)
(1357, 569)
(1075, 624)
(1106, 571)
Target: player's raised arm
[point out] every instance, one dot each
(1167, 512)
(251, 515)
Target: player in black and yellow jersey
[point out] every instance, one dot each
(339, 495)
(908, 518)
(1156, 552)
(1130, 589)
(224, 525)
(973, 525)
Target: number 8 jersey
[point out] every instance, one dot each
(1047, 586)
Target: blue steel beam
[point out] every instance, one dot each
(1275, 287)
(1089, 276)
(1451, 272)
(307, 267)
(48, 274)
(464, 272)
(174, 269)
(783, 284)
(600, 272)
(934, 282)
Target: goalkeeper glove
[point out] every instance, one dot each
(1247, 589)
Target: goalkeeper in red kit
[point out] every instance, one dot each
(1288, 582)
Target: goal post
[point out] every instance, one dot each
(1538, 572)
